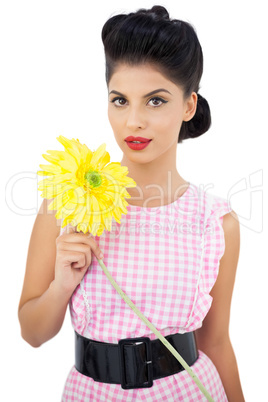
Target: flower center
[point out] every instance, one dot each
(93, 178)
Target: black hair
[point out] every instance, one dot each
(170, 45)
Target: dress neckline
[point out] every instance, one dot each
(184, 195)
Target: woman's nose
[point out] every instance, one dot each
(135, 118)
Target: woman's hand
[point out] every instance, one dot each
(73, 257)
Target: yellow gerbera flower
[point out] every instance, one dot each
(88, 191)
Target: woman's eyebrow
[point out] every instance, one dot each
(150, 93)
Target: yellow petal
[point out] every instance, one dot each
(69, 166)
(104, 160)
(44, 173)
(59, 155)
(49, 158)
(86, 154)
(65, 141)
(51, 168)
(112, 166)
(98, 154)
(71, 147)
(59, 201)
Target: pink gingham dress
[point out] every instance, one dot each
(166, 259)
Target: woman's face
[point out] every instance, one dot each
(143, 103)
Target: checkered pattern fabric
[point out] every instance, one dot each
(166, 259)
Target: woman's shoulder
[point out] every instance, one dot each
(221, 223)
(211, 203)
(220, 208)
(217, 215)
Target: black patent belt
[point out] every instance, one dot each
(133, 362)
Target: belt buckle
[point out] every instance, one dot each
(148, 363)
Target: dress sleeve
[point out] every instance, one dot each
(212, 250)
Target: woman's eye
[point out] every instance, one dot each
(120, 103)
(157, 101)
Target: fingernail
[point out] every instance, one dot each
(101, 255)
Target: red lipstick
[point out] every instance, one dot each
(137, 146)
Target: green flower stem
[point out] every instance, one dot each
(155, 331)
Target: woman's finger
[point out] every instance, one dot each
(70, 229)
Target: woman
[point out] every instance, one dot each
(172, 254)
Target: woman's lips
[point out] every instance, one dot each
(138, 146)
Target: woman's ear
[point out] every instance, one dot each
(190, 107)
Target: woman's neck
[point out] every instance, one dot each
(155, 190)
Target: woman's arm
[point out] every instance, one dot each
(38, 298)
(213, 337)
(55, 266)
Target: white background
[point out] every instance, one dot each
(52, 83)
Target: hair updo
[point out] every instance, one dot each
(170, 45)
